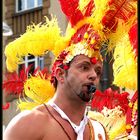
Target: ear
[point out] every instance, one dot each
(60, 73)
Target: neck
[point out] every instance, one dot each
(72, 108)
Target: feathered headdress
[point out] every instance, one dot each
(91, 24)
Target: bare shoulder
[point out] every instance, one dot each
(26, 124)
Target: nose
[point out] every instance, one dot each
(92, 75)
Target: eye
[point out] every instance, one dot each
(84, 67)
(98, 72)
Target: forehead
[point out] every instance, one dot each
(82, 58)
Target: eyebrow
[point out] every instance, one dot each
(83, 62)
(99, 67)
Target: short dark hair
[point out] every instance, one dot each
(54, 81)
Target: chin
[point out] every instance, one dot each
(85, 97)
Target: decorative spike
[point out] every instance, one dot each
(92, 41)
(86, 35)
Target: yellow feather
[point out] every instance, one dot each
(82, 5)
(125, 64)
(100, 7)
(118, 128)
(38, 90)
(37, 40)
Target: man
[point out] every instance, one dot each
(71, 97)
(75, 74)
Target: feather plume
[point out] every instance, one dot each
(39, 90)
(33, 42)
(118, 9)
(125, 64)
(77, 10)
(35, 87)
(109, 99)
(14, 82)
(70, 9)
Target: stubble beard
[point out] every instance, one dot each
(85, 96)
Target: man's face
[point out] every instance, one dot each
(81, 74)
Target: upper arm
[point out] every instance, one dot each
(22, 127)
(15, 129)
(13, 133)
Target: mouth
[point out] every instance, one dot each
(89, 88)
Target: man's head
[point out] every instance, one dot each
(85, 41)
(79, 77)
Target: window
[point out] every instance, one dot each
(22, 5)
(34, 61)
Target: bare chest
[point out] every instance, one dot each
(58, 132)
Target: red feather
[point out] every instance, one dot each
(133, 36)
(70, 9)
(89, 8)
(109, 99)
(14, 83)
(119, 9)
